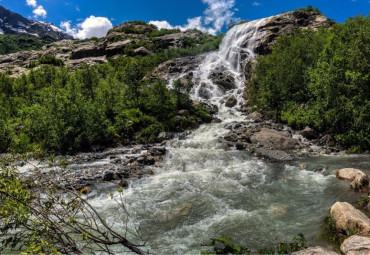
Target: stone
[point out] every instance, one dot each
(224, 80)
(231, 101)
(164, 136)
(358, 178)
(303, 166)
(256, 116)
(240, 146)
(273, 155)
(216, 120)
(108, 176)
(308, 133)
(142, 51)
(349, 220)
(275, 140)
(123, 183)
(183, 113)
(356, 245)
(317, 250)
(116, 47)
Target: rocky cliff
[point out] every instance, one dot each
(139, 38)
(128, 39)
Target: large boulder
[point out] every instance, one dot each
(356, 245)
(255, 116)
(117, 47)
(308, 133)
(349, 220)
(163, 136)
(231, 101)
(358, 178)
(87, 49)
(275, 140)
(315, 251)
(224, 80)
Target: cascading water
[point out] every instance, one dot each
(204, 190)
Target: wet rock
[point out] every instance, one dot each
(308, 133)
(216, 120)
(164, 136)
(275, 140)
(358, 178)
(224, 80)
(303, 166)
(150, 172)
(278, 210)
(349, 220)
(273, 155)
(356, 245)
(231, 101)
(317, 250)
(123, 183)
(108, 175)
(256, 116)
(240, 146)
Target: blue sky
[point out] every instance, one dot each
(84, 18)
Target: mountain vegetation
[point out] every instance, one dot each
(319, 79)
(59, 110)
(14, 43)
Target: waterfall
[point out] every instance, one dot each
(237, 48)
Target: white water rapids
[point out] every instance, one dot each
(203, 190)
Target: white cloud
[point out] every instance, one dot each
(161, 24)
(256, 4)
(90, 27)
(39, 12)
(32, 3)
(217, 14)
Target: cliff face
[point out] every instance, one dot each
(13, 23)
(139, 38)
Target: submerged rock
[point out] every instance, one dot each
(356, 245)
(349, 220)
(358, 178)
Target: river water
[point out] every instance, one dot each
(204, 190)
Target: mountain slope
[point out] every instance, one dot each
(13, 23)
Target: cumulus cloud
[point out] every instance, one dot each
(39, 12)
(32, 3)
(90, 27)
(217, 14)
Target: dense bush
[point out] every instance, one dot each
(15, 43)
(56, 110)
(320, 79)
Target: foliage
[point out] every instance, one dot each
(14, 43)
(319, 79)
(224, 245)
(50, 60)
(331, 233)
(364, 200)
(39, 216)
(310, 9)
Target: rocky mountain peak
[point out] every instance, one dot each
(13, 23)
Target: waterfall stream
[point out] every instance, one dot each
(204, 190)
